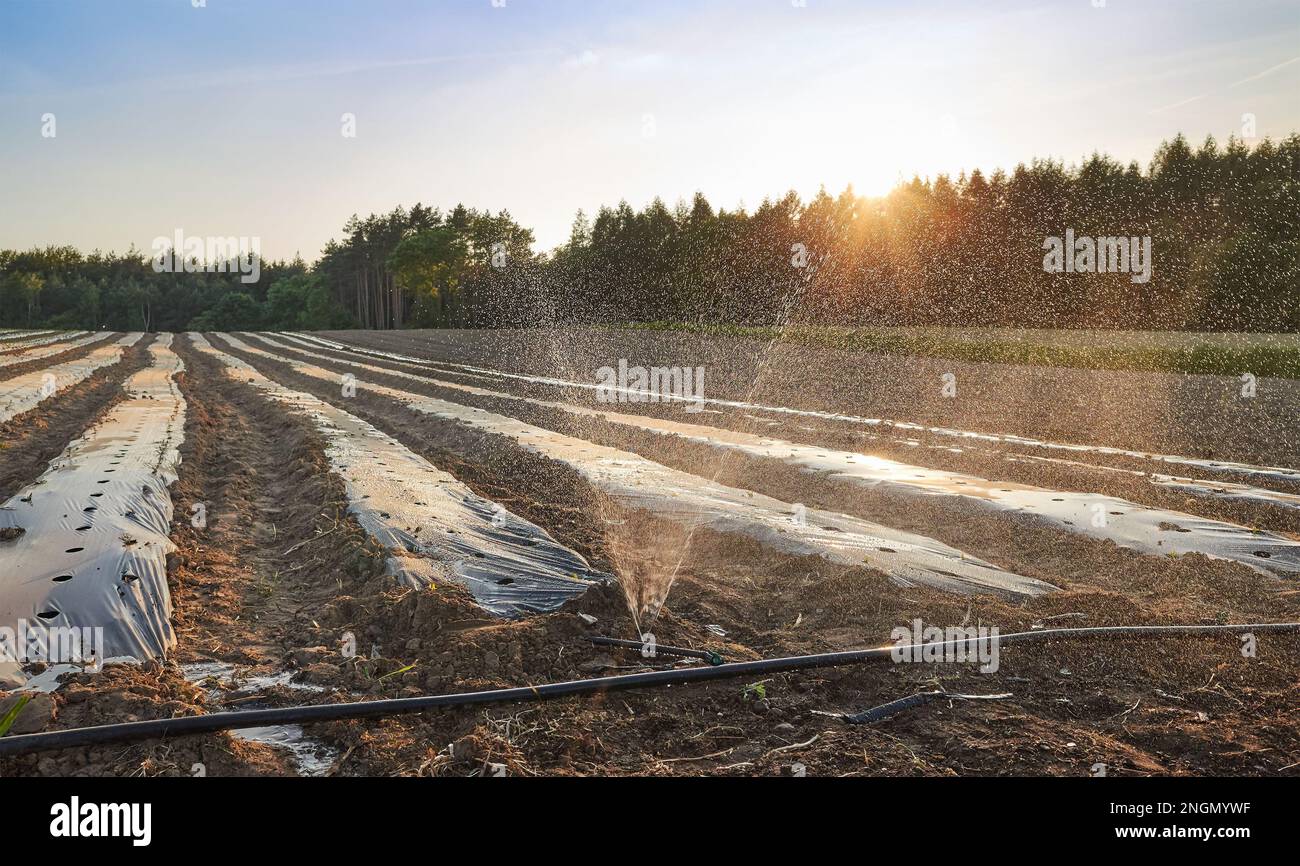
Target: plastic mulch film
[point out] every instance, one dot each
(1205, 464)
(632, 480)
(47, 348)
(433, 526)
(23, 393)
(44, 340)
(8, 338)
(1146, 529)
(83, 549)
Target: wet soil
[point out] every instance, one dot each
(1196, 415)
(279, 575)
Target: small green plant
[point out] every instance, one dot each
(754, 691)
(10, 717)
(398, 671)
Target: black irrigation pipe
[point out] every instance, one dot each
(23, 743)
(659, 650)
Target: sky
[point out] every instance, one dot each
(227, 117)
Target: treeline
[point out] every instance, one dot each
(60, 287)
(423, 269)
(404, 269)
(1224, 224)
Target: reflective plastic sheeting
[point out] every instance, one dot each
(41, 340)
(1228, 466)
(908, 558)
(433, 526)
(46, 348)
(1146, 529)
(89, 560)
(23, 393)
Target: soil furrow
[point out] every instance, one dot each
(1197, 415)
(243, 600)
(1033, 550)
(39, 362)
(1060, 506)
(695, 502)
(1007, 460)
(28, 442)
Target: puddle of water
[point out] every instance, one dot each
(241, 681)
(310, 755)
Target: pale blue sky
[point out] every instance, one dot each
(225, 120)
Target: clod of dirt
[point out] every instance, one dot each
(11, 533)
(305, 657)
(465, 749)
(320, 673)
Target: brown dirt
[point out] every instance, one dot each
(1140, 706)
(28, 442)
(61, 357)
(1133, 704)
(1014, 542)
(1200, 416)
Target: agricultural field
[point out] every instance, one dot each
(270, 520)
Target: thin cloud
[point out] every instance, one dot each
(1256, 77)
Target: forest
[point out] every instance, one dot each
(1224, 224)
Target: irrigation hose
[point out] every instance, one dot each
(659, 649)
(23, 743)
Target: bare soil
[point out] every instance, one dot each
(1194, 415)
(280, 574)
(28, 442)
